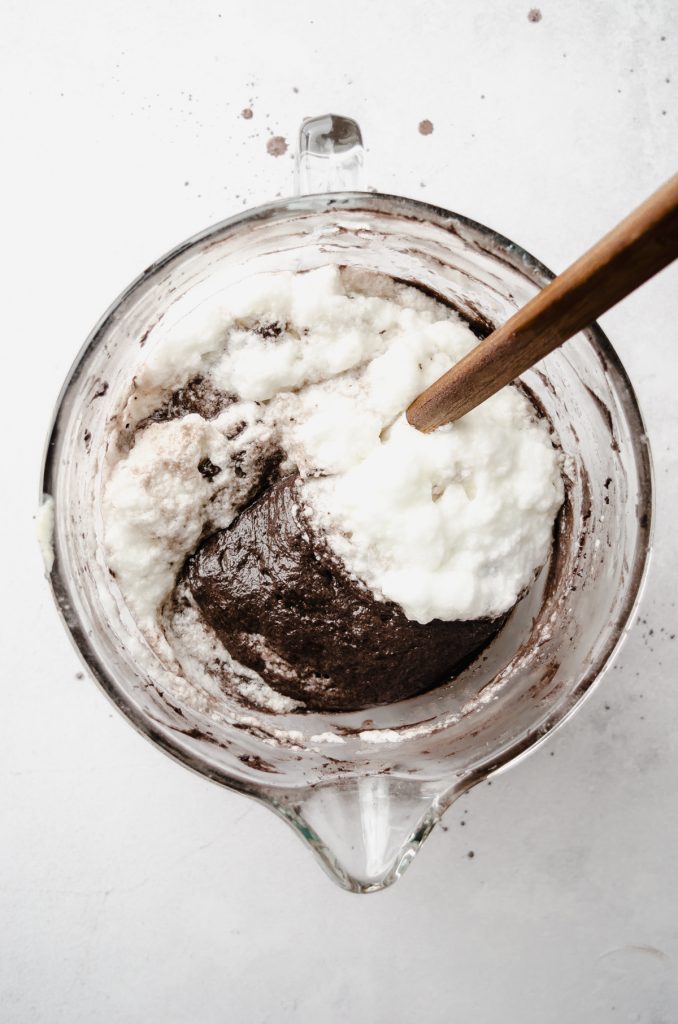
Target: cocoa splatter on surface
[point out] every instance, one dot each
(276, 145)
(247, 113)
(534, 14)
(425, 127)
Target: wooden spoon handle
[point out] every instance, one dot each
(639, 247)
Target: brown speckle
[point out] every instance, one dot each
(247, 113)
(235, 430)
(253, 761)
(534, 14)
(425, 127)
(270, 331)
(276, 145)
(207, 469)
(471, 854)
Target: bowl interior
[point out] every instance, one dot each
(559, 637)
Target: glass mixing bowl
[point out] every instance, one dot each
(364, 789)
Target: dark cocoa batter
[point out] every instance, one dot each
(198, 395)
(284, 606)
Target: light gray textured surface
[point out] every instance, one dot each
(131, 890)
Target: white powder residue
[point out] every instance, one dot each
(44, 528)
(320, 367)
(450, 525)
(157, 501)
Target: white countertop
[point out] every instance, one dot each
(134, 891)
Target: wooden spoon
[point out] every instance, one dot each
(639, 247)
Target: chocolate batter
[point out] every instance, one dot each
(284, 606)
(198, 395)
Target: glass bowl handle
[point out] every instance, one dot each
(330, 156)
